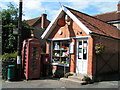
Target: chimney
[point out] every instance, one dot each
(118, 7)
(43, 21)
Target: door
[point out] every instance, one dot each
(34, 59)
(82, 56)
(31, 58)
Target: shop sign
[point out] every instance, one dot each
(61, 22)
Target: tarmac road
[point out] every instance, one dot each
(56, 83)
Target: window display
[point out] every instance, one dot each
(60, 52)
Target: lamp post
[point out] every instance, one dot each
(19, 40)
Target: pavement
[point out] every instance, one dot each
(56, 83)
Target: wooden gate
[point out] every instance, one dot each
(107, 65)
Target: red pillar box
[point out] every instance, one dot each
(45, 64)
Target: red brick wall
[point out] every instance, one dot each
(73, 58)
(47, 47)
(72, 30)
(90, 57)
(111, 50)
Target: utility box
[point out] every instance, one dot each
(31, 58)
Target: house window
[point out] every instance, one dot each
(60, 52)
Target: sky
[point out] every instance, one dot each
(34, 8)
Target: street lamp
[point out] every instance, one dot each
(19, 40)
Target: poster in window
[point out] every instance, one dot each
(85, 48)
(80, 53)
(72, 47)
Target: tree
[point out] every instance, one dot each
(10, 22)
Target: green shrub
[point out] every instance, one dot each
(86, 78)
(8, 59)
(7, 56)
(68, 74)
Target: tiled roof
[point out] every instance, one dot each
(32, 21)
(95, 25)
(111, 16)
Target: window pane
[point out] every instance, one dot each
(80, 50)
(85, 50)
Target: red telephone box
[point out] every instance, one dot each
(31, 58)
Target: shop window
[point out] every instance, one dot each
(60, 52)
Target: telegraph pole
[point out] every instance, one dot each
(19, 40)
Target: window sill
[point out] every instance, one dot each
(59, 64)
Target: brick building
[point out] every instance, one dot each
(39, 25)
(72, 38)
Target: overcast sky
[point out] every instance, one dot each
(34, 8)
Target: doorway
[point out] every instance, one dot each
(82, 56)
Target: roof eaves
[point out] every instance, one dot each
(75, 19)
(51, 25)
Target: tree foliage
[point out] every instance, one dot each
(9, 22)
(10, 16)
